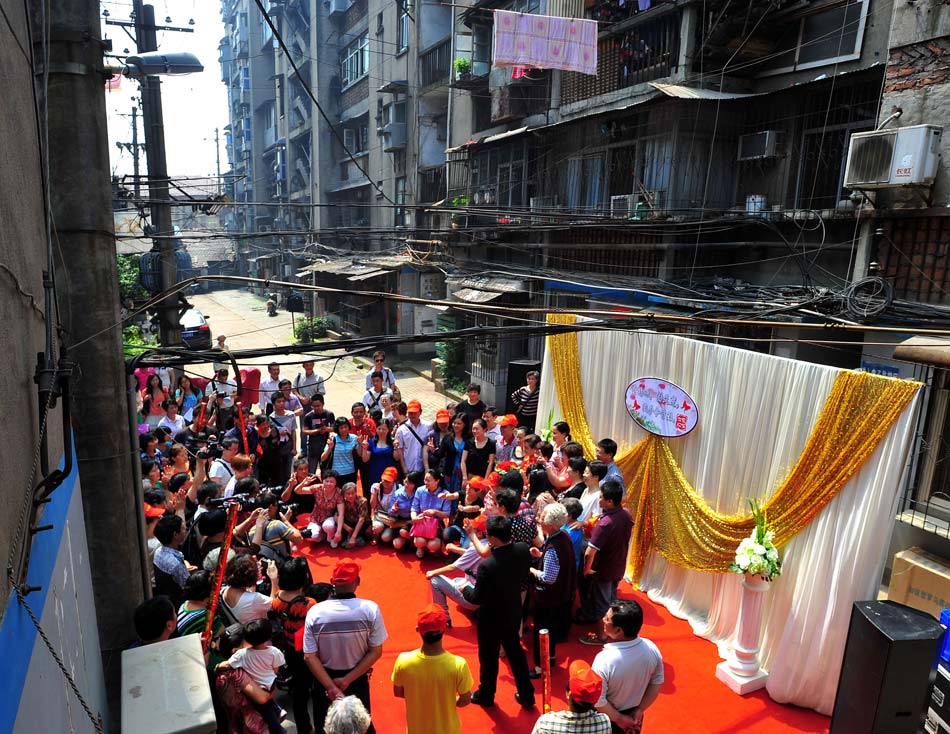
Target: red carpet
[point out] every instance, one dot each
(692, 699)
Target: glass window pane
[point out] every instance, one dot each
(830, 34)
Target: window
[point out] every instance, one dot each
(400, 213)
(525, 6)
(813, 39)
(481, 49)
(402, 25)
(354, 61)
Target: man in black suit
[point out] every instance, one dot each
(497, 592)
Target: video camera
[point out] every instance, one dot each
(212, 451)
(249, 503)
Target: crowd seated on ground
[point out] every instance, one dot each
(462, 488)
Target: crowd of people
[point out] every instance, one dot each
(530, 533)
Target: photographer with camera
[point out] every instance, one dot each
(273, 532)
(220, 471)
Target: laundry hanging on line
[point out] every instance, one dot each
(545, 42)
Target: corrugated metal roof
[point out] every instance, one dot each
(374, 273)
(487, 283)
(473, 295)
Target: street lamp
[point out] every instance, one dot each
(155, 63)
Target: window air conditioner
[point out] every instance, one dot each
(761, 145)
(881, 159)
(623, 207)
(395, 133)
(338, 7)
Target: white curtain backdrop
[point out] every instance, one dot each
(755, 415)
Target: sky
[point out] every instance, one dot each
(193, 105)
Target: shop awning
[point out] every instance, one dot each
(682, 92)
(933, 350)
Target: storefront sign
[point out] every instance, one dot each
(660, 407)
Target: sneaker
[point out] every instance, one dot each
(306, 533)
(534, 674)
(333, 544)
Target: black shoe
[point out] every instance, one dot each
(479, 699)
(534, 674)
(306, 533)
(526, 703)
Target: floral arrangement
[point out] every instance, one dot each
(757, 554)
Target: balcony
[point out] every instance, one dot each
(435, 64)
(432, 185)
(641, 54)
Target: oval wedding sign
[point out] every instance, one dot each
(660, 407)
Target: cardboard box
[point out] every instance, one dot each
(920, 580)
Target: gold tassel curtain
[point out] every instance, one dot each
(672, 518)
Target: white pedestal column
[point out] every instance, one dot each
(742, 672)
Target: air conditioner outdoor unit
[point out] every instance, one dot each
(338, 6)
(761, 145)
(907, 156)
(263, 228)
(623, 207)
(395, 133)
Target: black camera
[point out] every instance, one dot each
(212, 451)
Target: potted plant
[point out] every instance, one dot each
(458, 201)
(463, 68)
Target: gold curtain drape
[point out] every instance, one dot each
(672, 518)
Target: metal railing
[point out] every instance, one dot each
(432, 185)
(435, 64)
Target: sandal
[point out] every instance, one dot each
(593, 639)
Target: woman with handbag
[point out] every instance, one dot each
(430, 512)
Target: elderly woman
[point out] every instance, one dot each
(555, 581)
(347, 715)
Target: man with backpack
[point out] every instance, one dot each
(375, 393)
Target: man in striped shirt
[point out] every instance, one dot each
(525, 400)
(343, 636)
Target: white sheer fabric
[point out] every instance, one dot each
(755, 415)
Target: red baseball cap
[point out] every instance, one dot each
(493, 479)
(390, 474)
(432, 619)
(585, 684)
(414, 407)
(345, 573)
(153, 510)
(477, 482)
(442, 416)
(508, 420)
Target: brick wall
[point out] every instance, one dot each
(354, 16)
(918, 65)
(354, 94)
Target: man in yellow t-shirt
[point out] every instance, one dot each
(434, 682)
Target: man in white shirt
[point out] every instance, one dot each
(308, 383)
(493, 430)
(443, 586)
(373, 396)
(379, 365)
(631, 667)
(221, 471)
(412, 435)
(340, 663)
(221, 384)
(269, 386)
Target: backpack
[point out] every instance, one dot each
(279, 636)
(191, 548)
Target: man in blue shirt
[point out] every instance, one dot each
(606, 451)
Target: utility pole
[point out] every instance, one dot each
(135, 151)
(158, 182)
(81, 208)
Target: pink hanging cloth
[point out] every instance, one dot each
(545, 42)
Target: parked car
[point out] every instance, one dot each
(195, 331)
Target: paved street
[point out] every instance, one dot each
(242, 317)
